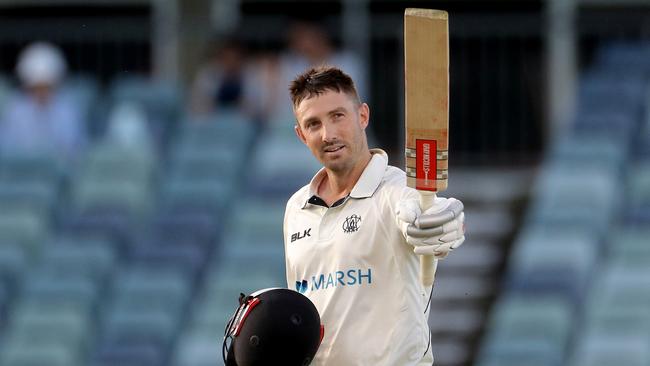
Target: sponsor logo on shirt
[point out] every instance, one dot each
(351, 224)
(325, 281)
(301, 286)
(298, 235)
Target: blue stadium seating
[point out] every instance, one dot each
(536, 266)
(586, 241)
(127, 352)
(199, 348)
(280, 166)
(602, 349)
(92, 257)
(14, 260)
(162, 102)
(134, 254)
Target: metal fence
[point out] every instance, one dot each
(498, 70)
(100, 40)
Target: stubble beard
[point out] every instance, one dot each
(339, 165)
(347, 162)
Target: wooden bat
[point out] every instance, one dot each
(426, 80)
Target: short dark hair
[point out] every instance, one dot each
(315, 81)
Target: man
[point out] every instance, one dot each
(42, 118)
(350, 234)
(225, 83)
(308, 45)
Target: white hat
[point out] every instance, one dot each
(41, 63)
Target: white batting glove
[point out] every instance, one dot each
(436, 231)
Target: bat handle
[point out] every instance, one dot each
(428, 263)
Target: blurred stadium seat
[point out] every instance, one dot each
(114, 176)
(13, 263)
(198, 349)
(281, 164)
(5, 89)
(92, 257)
(127, 352)
(207, 163)
(162, 102)
(26, 227)
(602, 349)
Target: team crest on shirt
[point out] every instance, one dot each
(351, 224)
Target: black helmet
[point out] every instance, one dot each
(274, 326)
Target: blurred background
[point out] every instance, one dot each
(147, 152)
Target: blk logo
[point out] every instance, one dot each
(301, 286)
(351, 224)
(298, 236)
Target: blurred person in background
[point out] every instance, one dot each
(128, 128)
(41, 118)
(227, 82)
(309, 45)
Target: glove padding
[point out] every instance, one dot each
(437, 231)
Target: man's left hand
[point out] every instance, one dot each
(436, 231)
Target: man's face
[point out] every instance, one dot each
(332, 125)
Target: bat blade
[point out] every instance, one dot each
(426, 81)
(426, 78)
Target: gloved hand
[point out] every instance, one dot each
(436, 231)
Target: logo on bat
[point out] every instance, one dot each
(426, 161)
(425, 164)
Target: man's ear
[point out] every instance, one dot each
(299, 133)
(364, 115)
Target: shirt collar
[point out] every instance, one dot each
(368, 181)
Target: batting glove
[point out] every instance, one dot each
(436, 231)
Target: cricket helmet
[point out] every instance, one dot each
(273, 326)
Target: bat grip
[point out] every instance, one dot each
(428, 263)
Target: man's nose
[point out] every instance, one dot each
(329, 133)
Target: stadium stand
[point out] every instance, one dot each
(575, 292)
(136, 255)
(98, 258)
(137, 252)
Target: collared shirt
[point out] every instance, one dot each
(352, 261)
(57, 127)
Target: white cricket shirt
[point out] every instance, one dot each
(353, 262)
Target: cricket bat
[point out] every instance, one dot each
(426, 80)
